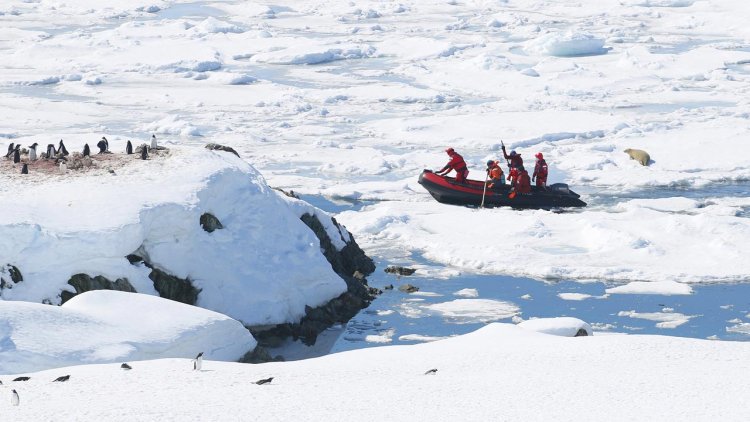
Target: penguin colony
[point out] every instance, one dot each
(27, 160)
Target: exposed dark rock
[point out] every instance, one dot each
(134, 259)
(84, 283)
(395, 269)
(209, 222)
(9, 273)
(290, 194)
(349, 259)
(388, 287)
(260, 355)
(217, 147)
(173, 288)
(408, 288)
(581, 333)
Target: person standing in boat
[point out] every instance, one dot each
(514, 159)
(495, 174)
(456, 163)
(540, 171)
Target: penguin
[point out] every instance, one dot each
(61, 148)
(264, 381)
(62, 378)
(11, 148)
(32, 151)
(102, 146)
(50, 151)
(86, 150)
(126, 367)
(14, 399)
(25, 169)
(17, 155)
(431, 371)
(22, 379)
(198, 362)
(106, 144)
(63, 167)
(144, 152)
(129, 148)
(153, 141)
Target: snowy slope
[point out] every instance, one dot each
(264, 267)
(501, 372)
(107, 326)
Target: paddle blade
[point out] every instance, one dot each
(512, 195)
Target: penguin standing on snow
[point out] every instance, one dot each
(102, 145)
(50, 151)
(25, 169)
(17, 154)
(198, 362)
(14, 399)
(86, 150)
(61, 148)
(153, 141)
(63, 167)
(129, 148)
(144, 152)
(32, 151)
(11, 148)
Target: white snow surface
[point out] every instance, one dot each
(353, 100)
(560, 326)
(264, 267)
(505, 372)
(107, 326)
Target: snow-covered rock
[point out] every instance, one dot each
(561, 326)
(107, 326)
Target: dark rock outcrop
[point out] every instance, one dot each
(217, 147)
(408, 288)
(85, 283)
(395, 269)
(581, 333)
(352, 265)
(210, 223)
(9, 275)
(260, 355)
(174, 288)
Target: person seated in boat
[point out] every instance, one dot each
(495, 174)
(523, 183)
(540, 171)
(456, 163)
(512, 176)
(514, 159)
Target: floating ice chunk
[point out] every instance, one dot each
(468, 311)
(419, 337)
(652, 288)
(660, 3)
(663, 319)
(568, 44)
(573, 296)
(529, 71)
(467, 293)
(214, 26)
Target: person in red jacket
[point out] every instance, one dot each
(495, 174)
(513, 176)
(523, 183)
(456, 163)
(540, 171)
(514, 160)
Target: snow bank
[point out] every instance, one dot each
(562, 326)
(315, 54)
(264, 267)
(107, 326)
(505, 371)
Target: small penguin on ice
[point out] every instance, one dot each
(129, 148)
(32, 151)
(22, 379)
(61, 148)
(144, 152)
(25, 169)
(50, 151)
(63, 167)
(126, 367)
(431, 371)
(62, 378)
(11, 148)
(264, 381)
(86, 150)
(14, 399)
(17, 154)
(198, 362)
(153, 142)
